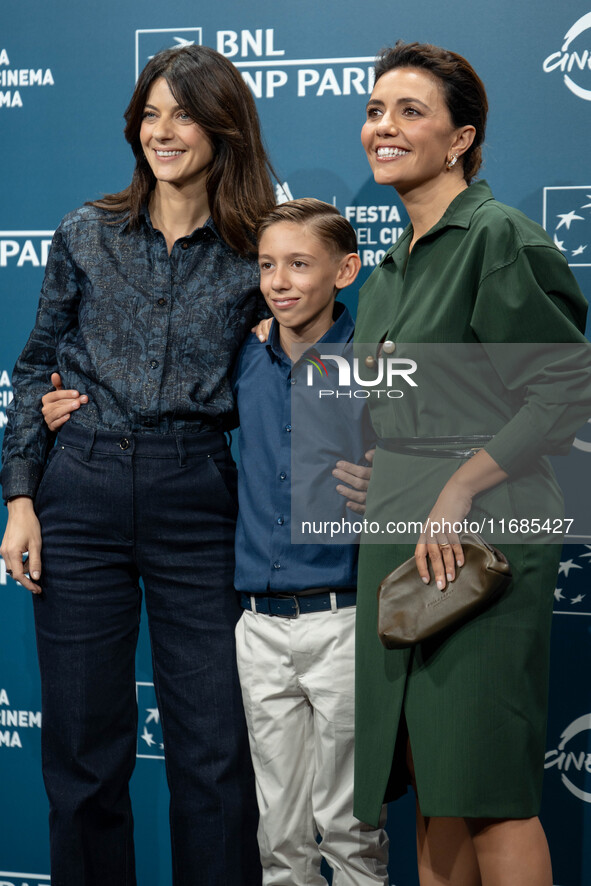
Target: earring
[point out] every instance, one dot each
(451, 163)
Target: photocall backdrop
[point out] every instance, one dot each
(67, 71)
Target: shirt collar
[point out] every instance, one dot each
(144, 216)
(341, 331)
(457, 215)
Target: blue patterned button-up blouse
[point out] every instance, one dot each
(149, 337)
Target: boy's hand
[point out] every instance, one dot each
(357, 477)
(59, 404)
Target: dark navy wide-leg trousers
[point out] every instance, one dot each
(114, 508)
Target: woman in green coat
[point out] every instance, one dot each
(462, 717)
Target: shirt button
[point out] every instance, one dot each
(293, 381)
(389, 347)
(282, 475)
(184, 245)
(161, 301)
(288, 428)
(276, 565)
(370, 362)
(124, 443)
(154, 364)
(280, 520)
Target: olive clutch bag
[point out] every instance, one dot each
(409, 611)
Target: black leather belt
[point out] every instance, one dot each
(436, 447)
(293, 605)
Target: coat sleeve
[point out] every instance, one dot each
(533, 305)
(27, 439)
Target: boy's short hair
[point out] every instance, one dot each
(325, 220)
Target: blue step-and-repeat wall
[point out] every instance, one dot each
(67, 70)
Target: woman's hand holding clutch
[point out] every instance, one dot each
(438, 542)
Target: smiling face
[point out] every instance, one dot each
(177, 149)
(300, 275)
(408, 134)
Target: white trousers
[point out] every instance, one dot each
(297, 678)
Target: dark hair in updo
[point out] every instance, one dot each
(465, 95)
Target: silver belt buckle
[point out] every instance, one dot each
(296, 602)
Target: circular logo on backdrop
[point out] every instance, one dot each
(572, 758)
(573, 59)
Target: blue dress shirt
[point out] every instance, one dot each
(266, 560)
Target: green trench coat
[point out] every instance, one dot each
(475, 701)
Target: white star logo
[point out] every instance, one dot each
(154, 713)
(567, 219)
(148, 737)
(577, 599)
(586, 555)
(558, 594)
(580, 250)
(566, 566)
(559, 243)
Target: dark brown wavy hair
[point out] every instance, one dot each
(465, 95)
(211, 90)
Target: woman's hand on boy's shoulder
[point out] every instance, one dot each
(58, 404)
(262, 329)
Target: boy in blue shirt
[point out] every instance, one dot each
(295, 639)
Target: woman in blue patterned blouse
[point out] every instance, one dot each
(147, 296)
